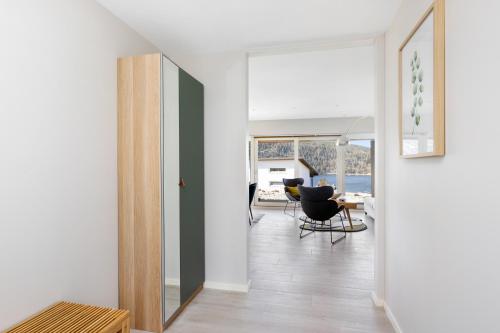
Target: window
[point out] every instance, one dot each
(321, 156)
(358, 161)
(318, 160)
(275, 150)
(275, 161)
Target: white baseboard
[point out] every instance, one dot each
(241, 288)
(392, 319)
(377, 301)
(382, 304)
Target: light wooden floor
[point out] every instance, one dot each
(297, 286)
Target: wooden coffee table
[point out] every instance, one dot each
(348, 203)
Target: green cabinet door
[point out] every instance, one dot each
(192, 195)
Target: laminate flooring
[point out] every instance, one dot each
(298, 285)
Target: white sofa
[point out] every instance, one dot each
(369, 206)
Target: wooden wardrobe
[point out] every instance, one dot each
(160, 190)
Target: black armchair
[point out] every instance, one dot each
(317, 205)
(292, 198)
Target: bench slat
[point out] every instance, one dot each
(66, 317)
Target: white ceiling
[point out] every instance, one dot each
(200, 26)
(320, 84)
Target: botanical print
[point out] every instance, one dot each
(417, 91)
(417, 77)
(422, 86)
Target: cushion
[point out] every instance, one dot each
(294, 191)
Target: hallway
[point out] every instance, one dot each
(297, 285)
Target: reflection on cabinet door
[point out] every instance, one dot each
(171, 195)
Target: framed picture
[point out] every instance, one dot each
(421, 87)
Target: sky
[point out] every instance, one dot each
(364, 143)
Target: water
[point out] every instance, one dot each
(355, 184)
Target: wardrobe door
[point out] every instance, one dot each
(192, 194)
(171, 191)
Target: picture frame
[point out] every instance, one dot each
(422, 87)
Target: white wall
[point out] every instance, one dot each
(442, 229)
(224, 76)
(58, 180)
(379, 259)
(318, 126)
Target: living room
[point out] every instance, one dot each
(311, 115)
(311, 124)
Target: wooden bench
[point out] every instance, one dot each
(65, 317)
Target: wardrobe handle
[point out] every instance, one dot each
(182, 183)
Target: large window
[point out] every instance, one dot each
(358, 167)
(318, 160)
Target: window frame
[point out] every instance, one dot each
(340, 165)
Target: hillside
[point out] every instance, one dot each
(358, 160)
(321, 155)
